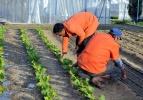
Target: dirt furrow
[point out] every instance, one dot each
(134, 35)
(134, 80)
(20, 76)
(59, 78)
(135, 39)
(133, 49)
(128, 40)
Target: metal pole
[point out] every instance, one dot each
(105, 12)
(137, 11)
(101, 9)
(56, 6)
(110, 11)
(85, 5)
(73, 10)
(95, 10)
(124, 12)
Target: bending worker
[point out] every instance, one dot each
(82, 25)
(94, 58)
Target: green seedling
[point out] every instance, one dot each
(2, 72)
(2, 89)
(102, 97)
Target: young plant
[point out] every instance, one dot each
(2, 72)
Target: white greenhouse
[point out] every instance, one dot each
(51, 11)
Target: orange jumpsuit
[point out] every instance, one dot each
(82, 24)
(97, 53)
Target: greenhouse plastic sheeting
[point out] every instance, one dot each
(51, 11)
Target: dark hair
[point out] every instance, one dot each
(58, 27)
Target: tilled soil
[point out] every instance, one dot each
(20, 79)
(116, 91)
(60, 80)
(20, 76)
(134, 80)
(132, 44)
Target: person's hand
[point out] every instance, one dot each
(124, 74)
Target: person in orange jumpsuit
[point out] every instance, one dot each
(82, 25)
(94, 58)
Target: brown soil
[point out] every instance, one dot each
(20, 79)
(132, 44)
(20, 75)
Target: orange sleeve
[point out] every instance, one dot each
(65, 44)
(115, 52)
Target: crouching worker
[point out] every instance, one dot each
(82, 25)
(99, 51)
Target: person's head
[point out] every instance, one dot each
(116, 33)
(58, 29)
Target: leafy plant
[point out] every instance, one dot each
(102, 97)
(2, 72)
(2, 89)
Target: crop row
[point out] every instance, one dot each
(79, 83)
(2, 71)
(42, 78)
